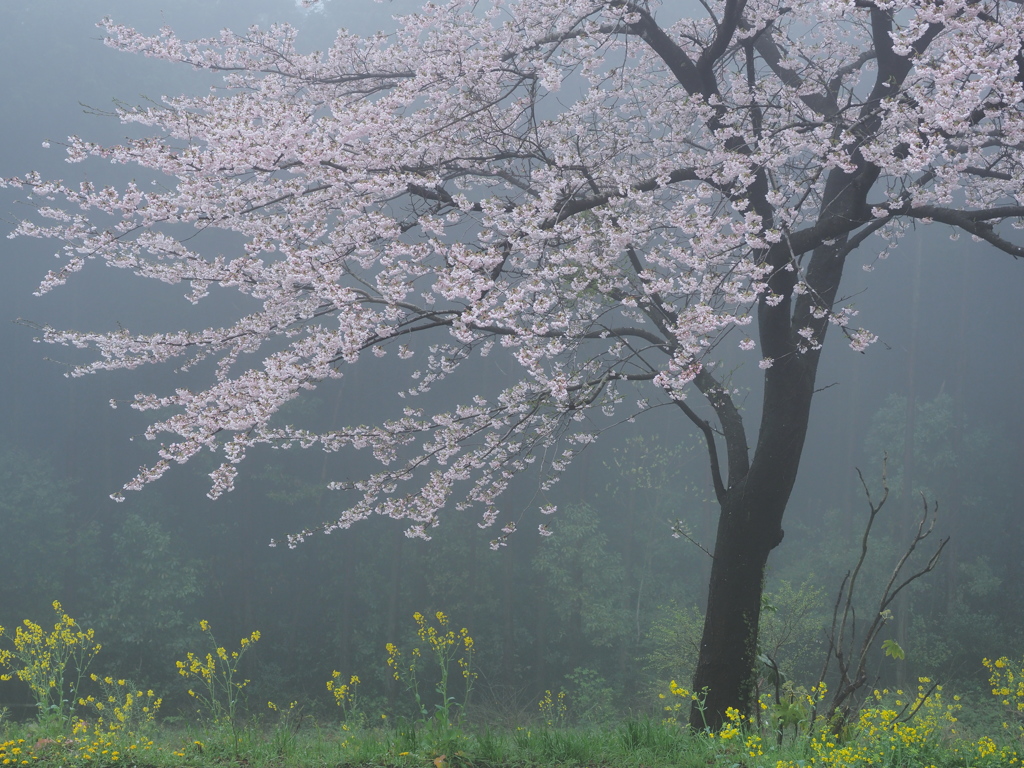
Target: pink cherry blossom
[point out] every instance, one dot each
(599, 197)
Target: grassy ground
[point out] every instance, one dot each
(119, 724)
(305, 744)
(301, 742)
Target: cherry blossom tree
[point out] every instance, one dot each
(606, 198)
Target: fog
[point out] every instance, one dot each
(612, 592)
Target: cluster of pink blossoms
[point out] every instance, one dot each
(535, 179)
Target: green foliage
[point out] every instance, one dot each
(792, 618)
(970, 471)
(591, 699)
(674, 640)
(491, 746)
(933, 448)
(794, 710)
(41, 529)
(143, 599)
(893, 649)
(791, 628)
(583, 577)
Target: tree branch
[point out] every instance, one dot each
(731, 419)
(675, 58)
(975, 222)
(709, 440)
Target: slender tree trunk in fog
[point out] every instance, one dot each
(541, 651)
(345, 635)
(955, 491)
(854, 441)
(901, 608)
(629, 596)
(394, 594)
(508, 639)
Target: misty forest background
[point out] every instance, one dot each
(609, 607)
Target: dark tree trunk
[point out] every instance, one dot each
(508, 623)
(749, 528)
(724, 674)
(753, 503)
(394, 603)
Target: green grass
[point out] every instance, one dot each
(883, 735)
(314, 745)
(639, 742)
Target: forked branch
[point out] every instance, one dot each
(849, 650)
